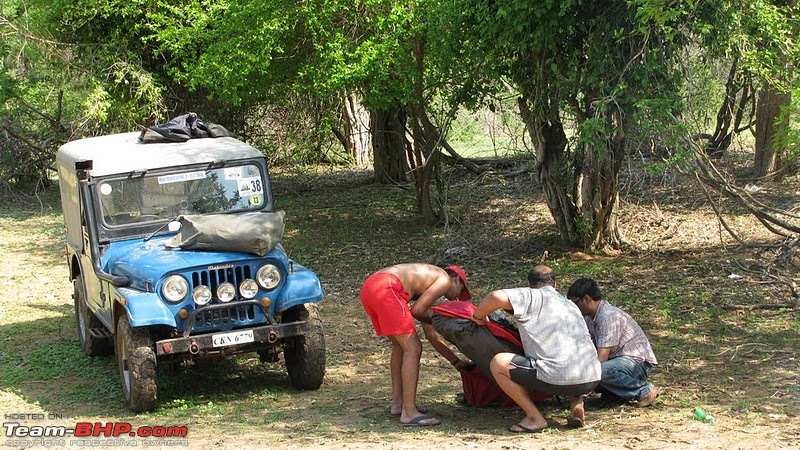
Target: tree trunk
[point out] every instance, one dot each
(770, 123)
(598, 188)
(423, 168)
(389, 145)
(550, 141)
(426, 145)
(581, 189)
(739, 99)
(355, 136)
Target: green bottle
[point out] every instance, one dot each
(702, 416)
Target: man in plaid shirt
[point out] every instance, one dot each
(623, 349)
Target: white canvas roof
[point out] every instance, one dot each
(121, 153)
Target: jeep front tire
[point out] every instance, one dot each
(136, 358)
(305, 355)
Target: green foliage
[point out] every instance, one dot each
(592, 134)
(251, 51)
(762, 32)
(465, 128)
(108, 62)
(788, 139)
(67, 73)
(79, 67)
(571, 62)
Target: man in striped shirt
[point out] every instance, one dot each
(623, 349)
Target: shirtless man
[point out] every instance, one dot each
(386, 296)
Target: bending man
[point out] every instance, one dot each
(386, 296)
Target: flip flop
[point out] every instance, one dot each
(417, 422)
(422, 410)
(523, 429)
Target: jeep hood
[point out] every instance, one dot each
(144, 263)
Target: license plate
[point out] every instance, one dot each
(232, 338)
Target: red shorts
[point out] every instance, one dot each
(386, 303)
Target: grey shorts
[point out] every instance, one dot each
(523, 372)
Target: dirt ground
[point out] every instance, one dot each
(741, 366)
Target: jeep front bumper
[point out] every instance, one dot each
(262, 337)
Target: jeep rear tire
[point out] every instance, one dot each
(90, 328)
(136, 358)
(305, 355)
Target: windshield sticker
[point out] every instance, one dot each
(106, 189)
(233, 173)
(178, 177)
(255, 200)
(250, 186)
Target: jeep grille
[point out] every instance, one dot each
(218, 317)
(233, 316)
(214, 277)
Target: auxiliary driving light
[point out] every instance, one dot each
(248, 289)
(226, 292)
(201, 295)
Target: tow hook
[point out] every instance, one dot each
(194, 348)
(272, 337)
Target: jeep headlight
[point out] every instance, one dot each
(175, 288)
(248, 289)
(201, 295)
(226, 292)
(268, 277)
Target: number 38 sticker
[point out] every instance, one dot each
(250, 186)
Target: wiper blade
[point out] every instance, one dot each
(150, 236)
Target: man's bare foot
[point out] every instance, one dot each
(527, 425)
(397, 411)
(575, 421)
(649, 398)
(576, 417)
(519, 428)
(576, 412)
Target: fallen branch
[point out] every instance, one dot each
(778, 221)
(469, 165)
(731, 306)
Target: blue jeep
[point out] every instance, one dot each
(149, 301)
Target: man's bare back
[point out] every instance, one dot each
(424, 283)
(418, 278)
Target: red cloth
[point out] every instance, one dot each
(465, 310)
(386, 303)
(480, 391)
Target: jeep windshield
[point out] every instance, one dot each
(157, 196)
